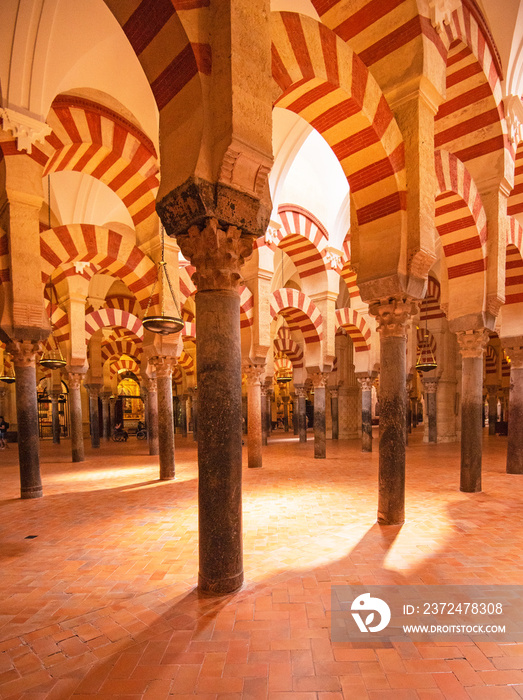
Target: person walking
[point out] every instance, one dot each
(4, 427)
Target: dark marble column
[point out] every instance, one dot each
(295, 426)
(152, 417)
(54, 396)
(193, 393)
(285, 399)
(164, 368)
(431, 387)
(414, 411)
(270, 391)
(472, 346)
(254, 414)
(514, 350)
(106, 416)
(264, 419)
(392, 321)
(366, 383)
(75, 413)
(301, 391)
(217, 256)
(492, 408)
(24, 360)
(183, 415)
(319, 380)
(94, 419)
(334, 413)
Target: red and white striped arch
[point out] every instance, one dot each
(320, 78)
(515, 200)
(491, 363)
(91, 139)
(282, 364)
(5, 270)
(246, 307)
(356, 328)
(460, 217)
(514, 263)
(177, 376)
(104, 318)
(104, 249)
(300, 312)
(290, 348)
(430, 308)
(187, 287)
(127, 365)
(189, 331)
(426, 345)
(187, 363)
(121, 347)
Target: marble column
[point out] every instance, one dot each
(94, 420)
(366, 383)
(285, 399)
(54, 396)
(492, 390)
(334, 410)
(319, 381)
(254, 414)
(164, 368)
(514, 350)
(472, 346)
(152, 417)
(193, 393)
(217, 256)
(295, 426)
(392, 319)
(270, 391)
(106, 416)
(430, 386)
(24, 359)
(183, 414)
(264, 419)
(75, 412)
(301, 392)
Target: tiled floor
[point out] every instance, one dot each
(101, 603)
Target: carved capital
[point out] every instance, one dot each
(492, 389)
(392, 316)
(514, 118)
(93, 389)
(163, 365)
(216, 254)
(513, 348)
(253, 373)
(150, 385)
(319, 379)
(27, 130)
(366, 383)
(472, 343)
(430, 385)
(24, 352)
(75, 380)
(334, 393)
(301, 391)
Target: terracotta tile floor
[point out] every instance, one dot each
(101, 603)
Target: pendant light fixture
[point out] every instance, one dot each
(8, 375)
(162, 323)
(52, 358)
(425, 361)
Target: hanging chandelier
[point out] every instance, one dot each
(425, 361)
(7, 376)
(52, 358)
(162, 323)
(284, 378)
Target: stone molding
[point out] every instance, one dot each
(26, 130)
(253, 373)
(430, 385)
(301, 391)
(217, 255)
(24, 352)
(366, 383)
(392, 316)
(319, 379)
(163, 365)
(472, 343)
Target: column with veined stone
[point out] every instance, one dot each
(254, 414)
(391, 320)
(55, 416)
(269, 391)
(106, 415)
(431, 387)
(263, 395)
(514, 350)
(492, 390)
(24, 359)
(285, 399)
(217, 255)
(75, 412)
(193, 393)
(334, 411)
(301, 393)
(319, 381)
(152, 416)
(471, 346)
(183, 414)
(366, 383)
(164, 369)
(94, 391)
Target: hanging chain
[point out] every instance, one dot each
(162, 266)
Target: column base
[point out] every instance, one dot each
(382, 520)
(167, 478)
(219, 587)
(32, 492)
(78, 458)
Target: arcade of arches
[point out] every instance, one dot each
(335, 190)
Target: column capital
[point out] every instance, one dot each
(333, 392)
(301, 391)
(472, 343)
(75, 379)
(163, 365)
(216, 253)
(366, 383)
(253, 373)
(492, 389)
(392, 316)
(430, 385)
(513, 348)
(24, 352)
(192, 391)
(93, 389)
(150, 385)
(319, 379)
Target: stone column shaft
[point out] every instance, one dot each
(106, 418)
(254, 415)
(334, 411)
(94, 417)
(492, 409)
(183, 411)
(164, 367)
(319, 380)
(431, 386)
(55, 418)
(264, 419)
(302, 413)
(75, 410)
(366, 413)
(514, 350)
(285, 400)
(152, 417)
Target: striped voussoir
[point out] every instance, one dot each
(177, 375)
(430, 308)
(189, 330)
(320, 78)
(91, 139)
(5, 268)
(125, 364)
(300, 312)
(460, 217)
(356, 327)
(290, 348)
(105, 250)
(187, 287)
(505, 369)
(104, 318)
(121, 347)
(246, 307)
(469, 122)
(514, 263)
(491, 361)
(282, 364)
(187, 363)
(515, 200)
(426, 345)
(303, 237)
